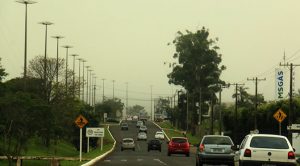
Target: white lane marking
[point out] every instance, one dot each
(140, 160)
(138, 146)
(124, 160)
(161, 162)
(107, 160)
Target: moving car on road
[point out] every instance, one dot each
(139, 123)
(215, 149)
(159, 135)
(154, 144)
(124, 126)
(179, 145)
(266, 149)
(142, 136)
(143, 129)
(127, 143)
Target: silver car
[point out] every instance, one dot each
(142, 136)
(215, 149)
(127, 143)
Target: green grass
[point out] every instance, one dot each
(171, 131)
(62, 149)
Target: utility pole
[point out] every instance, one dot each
(90, 87)
(220, 108)
(256, 102)
(291, 111)
(126, 98)
(94, 100)
(235, 110)
(57, 46)
(79, 84)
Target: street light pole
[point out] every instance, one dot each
(87, 83)
(46, 23)
(74, 55)
(26, 2)
(57, 45)
(67, 54)
(79, 81)
(83, 61)
(90, 87)
(103, 89)
(151, 103)
(113, 81)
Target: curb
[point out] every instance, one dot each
(93, 161)
(162, 130)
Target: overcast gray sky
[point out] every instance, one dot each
(126, 40)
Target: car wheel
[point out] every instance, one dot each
(169, 154)
(187, 155)
(160, 149)
(121, 149)
(133, 149)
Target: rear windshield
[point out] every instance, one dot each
(124, 124)
(127, 141)
(217, 140)
(179, 140)
(269, 142)
(159, 133)
(155, 141)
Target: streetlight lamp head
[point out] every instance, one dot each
(57, 37)
(67, 46)
(45, 23)
(26, 1)
(74, 55)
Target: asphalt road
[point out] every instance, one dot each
(141, 156)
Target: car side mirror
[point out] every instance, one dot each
(294, 149)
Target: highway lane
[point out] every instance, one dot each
(141, 156)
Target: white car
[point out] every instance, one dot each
(266, 150)
(159, 135)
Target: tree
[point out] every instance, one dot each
(113, 108)
(2, 72)
(198, 63)
(162, 105)
(136, 110)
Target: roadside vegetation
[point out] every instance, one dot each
(38, 114)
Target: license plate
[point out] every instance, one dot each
(218, 150)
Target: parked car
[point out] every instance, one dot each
(143, 129)
(266, 149)
(215, 149)
(159, 135)
(127, 143)
(124, 126)
(139, 123)
(142, 136)
(154, 144)
(178, 145)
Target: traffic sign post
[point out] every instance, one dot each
(279, 115)
(80, 122)
(95, 132)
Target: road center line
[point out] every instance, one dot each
(161, 162)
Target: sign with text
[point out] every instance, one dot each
(94, 132)
(279, 115)
(279, 84)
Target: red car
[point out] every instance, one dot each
(179, 145)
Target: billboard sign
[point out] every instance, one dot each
(94, 132)
(279, 84)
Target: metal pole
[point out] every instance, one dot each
(90, 86)
(26, 2)
(113, 89)
(220, 111)
(151, 104)
(57, 52)
(80, 145)
(79, 84)
(187, 111)
(74, 55)
(67, 54)
(103, 89)
(83, 61)
(87, 83)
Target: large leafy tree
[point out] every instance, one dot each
(2, 72)
(136, 110)
(113, 108)
(198, 63)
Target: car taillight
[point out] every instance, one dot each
(171, 144)
(247, 153)
(201, 147)
(291, 155)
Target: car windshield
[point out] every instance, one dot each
(217, 140)
(159, 133)
(124, 124)
(269, 142)
(179, 140)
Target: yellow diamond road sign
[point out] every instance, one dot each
(279, 115)
(81, 121)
